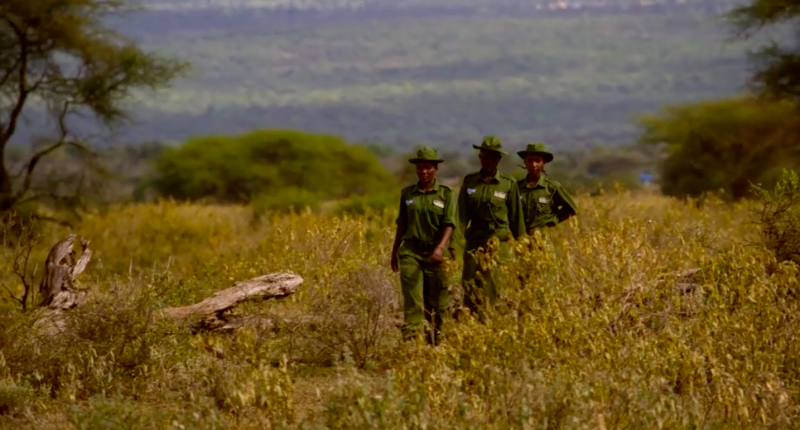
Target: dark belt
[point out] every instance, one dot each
(420, 246)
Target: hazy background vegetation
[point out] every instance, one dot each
(387, 76)
(397, 73)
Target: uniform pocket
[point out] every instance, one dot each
(544, 204)
(499, 209)
(436, 206)
(544, 208)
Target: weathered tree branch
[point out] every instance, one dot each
(57, 291)
(83, 261)
(62, 270)
(210, 311)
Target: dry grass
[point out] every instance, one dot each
(594, 337)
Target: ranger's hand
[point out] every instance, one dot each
(438, 255)
(395, 264)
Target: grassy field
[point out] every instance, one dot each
(590, 339)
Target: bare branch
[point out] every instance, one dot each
(13, 297)
(60, 222)
(22, 87)
(21, 268)
(31, 165)
(8, 73)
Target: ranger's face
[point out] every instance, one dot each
(489, 159)
(426, 172)
(534, 163)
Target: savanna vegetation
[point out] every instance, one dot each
(600, 335)
(651, 312)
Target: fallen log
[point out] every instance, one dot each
(59, 294)
(210, 311)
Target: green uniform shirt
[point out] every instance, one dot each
(545, 204)
(426, 213)
(487, 209)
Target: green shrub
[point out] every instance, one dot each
(237, 168)
(721, 144)
(14, 397)
(779, 217)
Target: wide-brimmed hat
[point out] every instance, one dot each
(539, 149)
(491, 143)
(426, 154)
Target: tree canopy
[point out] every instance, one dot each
(59, 61)
(721, 144)
(237, 168)
(777, 71)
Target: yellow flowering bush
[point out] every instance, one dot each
(646, 312)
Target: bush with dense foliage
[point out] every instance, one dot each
(238, 168)
(725, 144)
(779, 217)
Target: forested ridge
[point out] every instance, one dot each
(401, 73)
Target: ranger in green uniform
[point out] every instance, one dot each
(545, 202)
(489, 214)
(425, 224)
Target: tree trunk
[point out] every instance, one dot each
(61, 271)
(6, 190)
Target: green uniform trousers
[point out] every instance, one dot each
(480, 272)
(425, 294)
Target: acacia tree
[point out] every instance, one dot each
(59, 62)
(777, 71)
(722, 144)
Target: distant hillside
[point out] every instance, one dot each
(569, 76)
(453, 5)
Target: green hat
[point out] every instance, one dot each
(424, 154)
(491, 143)
(538, 149)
